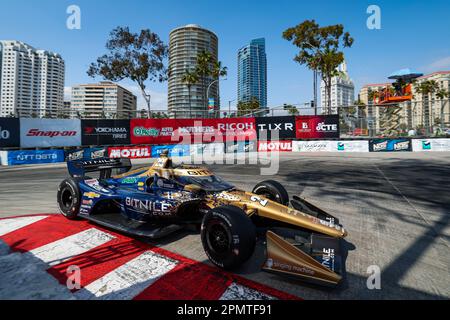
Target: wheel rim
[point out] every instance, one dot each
(218, 238)
(66, 198)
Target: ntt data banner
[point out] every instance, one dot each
(390, 145)
(430, 145)
(317, 127)
(180, 150)
(105, 132)
(189, 131)
(210, 149)
(35, 157)
(9, 132)
(50, 133)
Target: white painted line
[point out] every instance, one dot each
(10, 225)
(238, 292)
(59, 251)
(128, 280)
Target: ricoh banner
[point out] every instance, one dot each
(317, 127)
(105, 132)
(50, 133)
(430, 145)
(9, 132)
(191, 131)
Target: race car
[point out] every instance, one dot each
(155, 201)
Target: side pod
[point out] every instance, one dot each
(285, 258)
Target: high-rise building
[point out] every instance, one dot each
(102, 100)
(185, 44)
(31, 81)
(342, 91)
(252, 72)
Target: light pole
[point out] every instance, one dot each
(210, 85)
(229, 106)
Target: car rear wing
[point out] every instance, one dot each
(79, 168)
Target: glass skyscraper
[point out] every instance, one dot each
(252, 72)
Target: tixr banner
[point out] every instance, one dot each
(9, 132)
(317, 127)
(270, 128)
(105, 132)
(50, 133)
(187, 131)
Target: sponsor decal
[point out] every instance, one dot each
(98, 154)
(50, 134)
(130, 180)
(105, 132)
(316, 127)
(91, 195)
(87, 202)
(291, 268)
(390, 145)
(148, 206)
(130, 152)
(426, 145)
(144, 132)
(353, 146)
(174, 150)
(314, 146)
(270, 146)
(328, 258)
(77, 155)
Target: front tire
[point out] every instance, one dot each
(228, 236)
(272, 190)
(69, 198)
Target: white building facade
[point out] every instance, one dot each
(31, 81)
(342, 91)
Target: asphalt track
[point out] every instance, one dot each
(395, 207)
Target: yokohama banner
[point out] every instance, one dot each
(50, 133)
(317, 127)
(105, 132)
(140, 152)
(188, 131)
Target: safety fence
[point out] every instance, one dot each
(22, 157)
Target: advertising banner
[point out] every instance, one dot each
(390, 145)
(210, 149)
(179, 150)
(141, 152)
(105, 132)
(271, 128)
(191, 131)
(317, 127)
(9, 132)
(4, 158)
(353, 146)
(271, 146)
(50, 133)
(241, 146)
(428, 145)
(35, 157)
(86, 154)
(314, 146)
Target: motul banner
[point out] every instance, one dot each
(9, 132)
(317, 127)
(271, 146)
(105, 132)
(274, 128)
(140, 152)
(50, 133)
(187, 131)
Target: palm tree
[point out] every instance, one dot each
(441, 95)
(190, 78)
(217, 72)
(203, 71)
(426, 89)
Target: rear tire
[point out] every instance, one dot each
(272, 190)
(228, 236)
(69, 198)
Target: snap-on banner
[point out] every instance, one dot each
(317, 127)
(50, 133)
(35, 157)
(191, 131)
(105, 132)
(390, 145)
(271, 128)
(9, 132)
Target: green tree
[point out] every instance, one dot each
(190, 78)
(292, 110)
(245, 108)
(320, 49)
(136, 56)
(427, 88)
(203, 70)
(442, 94)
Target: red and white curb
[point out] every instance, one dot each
(113, 266)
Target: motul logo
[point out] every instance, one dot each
(132, 153)
(275, 146)
(51, 134)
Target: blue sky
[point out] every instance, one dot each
(413, 34)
